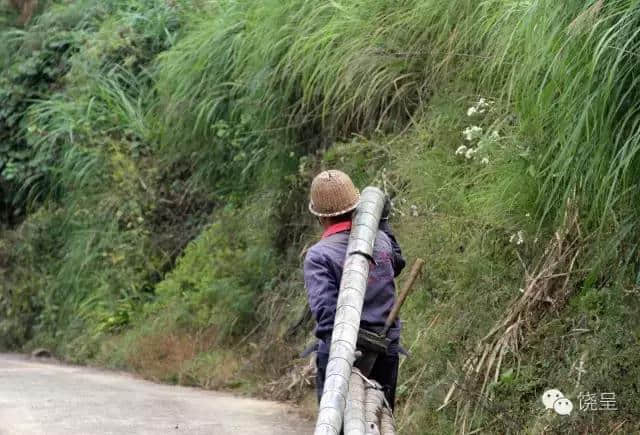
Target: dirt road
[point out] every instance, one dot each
(38, 398)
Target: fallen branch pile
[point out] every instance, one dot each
(295, 383)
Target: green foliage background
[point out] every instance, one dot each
(155, 158)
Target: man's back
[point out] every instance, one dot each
(323, 271)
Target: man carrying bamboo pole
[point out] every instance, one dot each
(333, 200)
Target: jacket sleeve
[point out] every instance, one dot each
(322, 291)
(397, 258)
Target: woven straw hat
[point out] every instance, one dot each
(333, 194)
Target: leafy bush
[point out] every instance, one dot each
(29, 78)
(218, 281)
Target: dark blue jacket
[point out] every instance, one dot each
(323, 272)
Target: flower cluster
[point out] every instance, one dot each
(480, 107)
(476, 134)
(472, 133)
(466, 152)
(517, 238)
(476, 137)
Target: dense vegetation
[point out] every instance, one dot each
(155, 157)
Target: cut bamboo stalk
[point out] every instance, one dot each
(373, 402)
(386, 422)
(354, 411)
(347, 321)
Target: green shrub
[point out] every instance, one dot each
(221, 276)
(30, 77)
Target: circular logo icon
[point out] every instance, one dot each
(563, 406)
(550, 396)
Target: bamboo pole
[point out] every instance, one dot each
(387, 426)
(348, 311)
(373, 404)
(354, 411)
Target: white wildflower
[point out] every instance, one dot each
(517, 238)
(414, 210)
(470, 152)
(495, 135)
(472, 133)
(461, 150)
(483, 104)
(485, 160)
(480, 107)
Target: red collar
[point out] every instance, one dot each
(337, 228)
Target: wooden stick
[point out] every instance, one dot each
(415, 271)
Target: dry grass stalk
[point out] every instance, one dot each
(26, 9)
(587, 19)
(547, 288)
(295, 383)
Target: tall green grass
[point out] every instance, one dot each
(570, 71)
(289, 73)
(567, 70)
(349, 66)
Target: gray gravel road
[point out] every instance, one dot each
(38, 398)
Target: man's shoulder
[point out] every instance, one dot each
(337, 244)
(328, 247)
(383, 239)
(315, 252)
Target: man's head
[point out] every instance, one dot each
(333, 197)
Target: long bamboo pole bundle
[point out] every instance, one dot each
(348, 311)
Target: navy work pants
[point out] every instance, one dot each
(384, 371)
